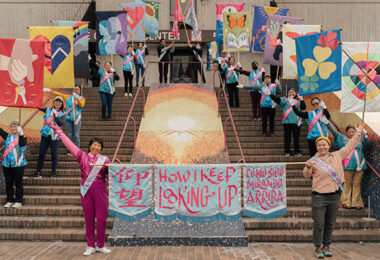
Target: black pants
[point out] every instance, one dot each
(255, 99)
(13, 176)
(268, 113)
(288, 130)
(127, 80)
(197, 68)
(163, 77)
(44, 145)
(312, 147)
(233, 94)
(324, 210)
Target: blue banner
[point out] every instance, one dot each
(264, 190)
(130, 192)
(197, 193)
(319, 59)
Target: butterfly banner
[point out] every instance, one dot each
(319, 59)
(80, 41)
(59, 59)
(111, 32)
(151, 17)
(257, 42)
(273, 39)
(135, 21)
(236, 31)
(289, 32)
(21, 72)
(213, 52)
(225, 8)
(360, 77)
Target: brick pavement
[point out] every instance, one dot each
(70, 250)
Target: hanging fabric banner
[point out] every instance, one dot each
(225, 8)
(135, 21)
(259, 25)
(236, 31)
(80, 41)
(360, 77)
(130, 193)
(21, 72)
(273, 38)
(319, 59)
(59, 58)
(197, 193)
(289, 58)
(212, 53)
(151, 17)
(111, 32)
(264, 190)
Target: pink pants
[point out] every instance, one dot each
(95, 203)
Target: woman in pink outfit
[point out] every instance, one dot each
(94, 196)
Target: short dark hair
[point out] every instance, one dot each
(315, 98)
(348, 127)
(95, 140)
(267, 76)
(162, 40)
(109, 62)
(254, 63)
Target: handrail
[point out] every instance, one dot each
(369, 164)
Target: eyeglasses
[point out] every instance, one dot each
(315, 104)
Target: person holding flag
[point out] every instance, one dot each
(197, 57)
(163, 58)
(128, 70)
(222, 63)
(14, 162)
(327, 175)
(315, 120)
(353, 169)
(140, 52)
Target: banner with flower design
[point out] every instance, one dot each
(319, 59)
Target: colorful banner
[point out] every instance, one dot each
(236, 31)
(111, 32)
(213, 52)
(130, 192)
(225, 8)
(289, 32)
(264, 190)
(319, 59)
(360, 77)
(259, 25)
(80, 41)
(21, 72)
(273, 38)
(197, 193)
(135, 21)
(59, 58)
(151, 17)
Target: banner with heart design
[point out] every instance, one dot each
(360, 77)
(135, 21)
(59, 59)
(319, 59)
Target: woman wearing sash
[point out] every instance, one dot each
(107, 86)
(73, 120)
(140, 62)
(255, 81)
(267, 106)
(353, 170)
(128, 69)
(94, 196)
(14, 164)
(315, 119)
(222, 63)
(49, 137)
(327, 175)
(232, 81)
(290, 121)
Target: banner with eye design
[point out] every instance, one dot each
(236, 31)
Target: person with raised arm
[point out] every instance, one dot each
(14, 162)
(327, 175)
(93, 188)
(128, 70)
(140, 52)
(196, 53)
(163, 57)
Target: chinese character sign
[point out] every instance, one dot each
(130, 191)
(197, 193)
(236, 31)
(21, 72)
(264, 190)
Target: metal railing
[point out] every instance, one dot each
(140, 89)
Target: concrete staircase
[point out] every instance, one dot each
(52, 209)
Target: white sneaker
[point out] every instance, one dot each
(130, 94)
(126, 95)
(8, 205)
(89, 251)
(17, 205)
(103, 250)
